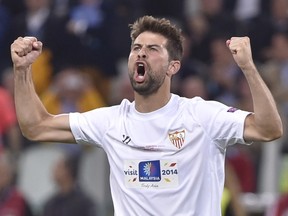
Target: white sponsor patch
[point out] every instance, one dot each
(151, 174)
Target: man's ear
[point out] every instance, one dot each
(174, 67)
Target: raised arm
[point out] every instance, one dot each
(265, 124)
(35, 122)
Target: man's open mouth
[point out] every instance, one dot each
(140, 72)
(140, 69)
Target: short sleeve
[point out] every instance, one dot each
(89, 127)
(225, 125)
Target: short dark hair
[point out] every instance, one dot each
(163, 27)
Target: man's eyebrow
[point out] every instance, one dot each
(154, 45)
(149, 45)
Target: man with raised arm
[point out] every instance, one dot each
(166, 152)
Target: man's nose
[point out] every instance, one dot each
(142, 53)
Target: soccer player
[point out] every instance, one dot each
(166, 153)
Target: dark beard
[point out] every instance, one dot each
(150, 86)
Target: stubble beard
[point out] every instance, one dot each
(151, 84)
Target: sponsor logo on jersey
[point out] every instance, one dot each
(151, 174)
(177, 138)
(149, 171)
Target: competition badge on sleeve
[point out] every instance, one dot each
(151, 174)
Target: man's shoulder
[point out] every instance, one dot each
(191, 101)
(123, 107)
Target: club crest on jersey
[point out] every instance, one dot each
(177, 138)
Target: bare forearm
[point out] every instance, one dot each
(267, 118)
(29, 109)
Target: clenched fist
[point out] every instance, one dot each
(24, 51)
(241, 51)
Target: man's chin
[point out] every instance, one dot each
(144, 90)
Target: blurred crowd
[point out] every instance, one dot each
(83, 66)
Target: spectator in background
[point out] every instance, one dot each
(244, 10)
(279, 17)
(258, 6)
(124, 12)
(61, 49)
(191, 7)
(88, 21)
(9, 132)
(70, 199)
(12, 201)
(202, 26)
(71, 91)
(34, 20)
(261, 28)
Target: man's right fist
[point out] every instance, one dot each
(25, 50)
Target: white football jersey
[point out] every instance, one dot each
(166, 162)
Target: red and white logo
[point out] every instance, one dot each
(177, 138)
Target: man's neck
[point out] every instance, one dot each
(150, 103)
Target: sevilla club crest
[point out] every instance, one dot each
(177, 138)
